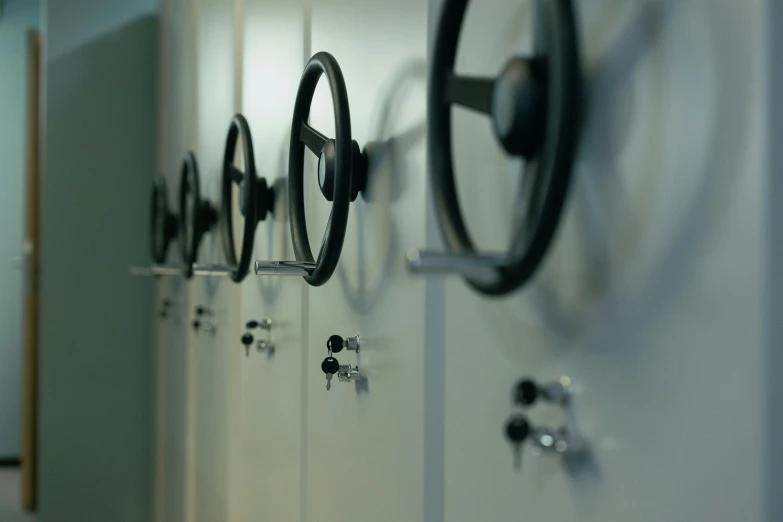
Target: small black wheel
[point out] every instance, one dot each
(342, 168)
(163, 222)
(535, 107)
(196, 215)
(256, 197)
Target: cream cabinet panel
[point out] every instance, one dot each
(272, 398)
(650, 299)
(178, 133)
(365, 438)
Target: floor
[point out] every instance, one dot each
(10, 497)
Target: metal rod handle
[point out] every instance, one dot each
(284, 268)
(471, 265)
(155, 270)
(213, 270)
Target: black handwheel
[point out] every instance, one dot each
(535, 107)
(342, 167)
(163, 222)
(196, 216)
(256, 197)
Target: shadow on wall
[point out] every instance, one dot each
(97, 360)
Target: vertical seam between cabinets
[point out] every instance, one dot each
(305, 332)
(190, 434)
(239, 53)
(773, 331)
(433, 501)
(160, 393)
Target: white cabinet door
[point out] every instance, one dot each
(178, 126)
(365, 439)
(650, 299)
(215, 356)
(270, 440)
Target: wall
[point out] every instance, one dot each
(774, 295)
(17, 17)
(96, 349)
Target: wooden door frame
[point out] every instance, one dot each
(31, 280)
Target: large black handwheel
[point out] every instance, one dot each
(163, 222)
(197, 216)
(535, 108)
(342, 167)
(256, 197)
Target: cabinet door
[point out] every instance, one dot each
(216, 357)
(650, 299)
(365, 438)
(271, 379)
(178, 132)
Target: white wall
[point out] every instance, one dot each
(96, 349)
(17, 17)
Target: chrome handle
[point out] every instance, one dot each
(483, 266)
(213, 270)
(155, 270)
(284, 268)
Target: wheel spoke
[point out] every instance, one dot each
(472, 93)
(237, 176)
(312, 139)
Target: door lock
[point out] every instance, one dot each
(204, 320)
(203, 311)
(331, 366)
(527, 392)
(204, 325)
(348, 373)
(261, 345)
(560, 441)
(345, 372)
(563, 440)
(165, 308)
(335, 343)
(264, 324)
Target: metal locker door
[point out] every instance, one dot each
(216, 364)
(270, 481)
(178, 126)
(365, 437)
(649, 299)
